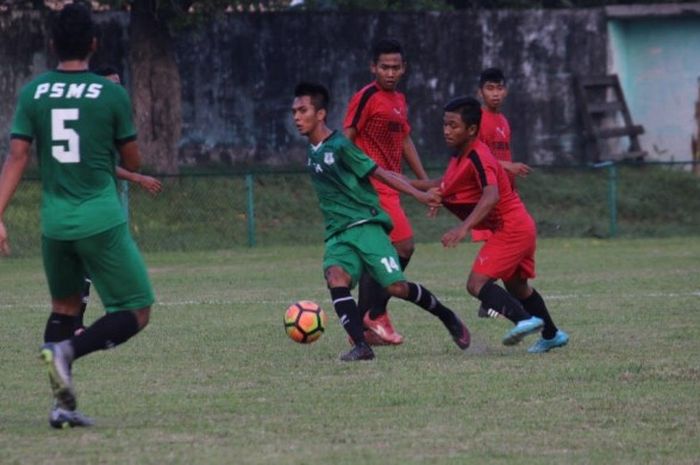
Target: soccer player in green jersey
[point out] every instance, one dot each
(77, 119)
(357, 229)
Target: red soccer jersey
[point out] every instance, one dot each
(494, 131)
(380, 118)
(463, 184)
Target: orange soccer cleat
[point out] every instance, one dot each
(382, 327)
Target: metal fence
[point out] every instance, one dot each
(219, 211)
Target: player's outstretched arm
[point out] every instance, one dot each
(148, 183)
(411, 155)
(12, 171)
(488, 199)
(516, 168)
(425, 184)
(431, 198)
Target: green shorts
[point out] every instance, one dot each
(112, 261)
(364, 247)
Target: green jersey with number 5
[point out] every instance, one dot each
(77, 119)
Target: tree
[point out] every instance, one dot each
(156, 88)
(156, 85)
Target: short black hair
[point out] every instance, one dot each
(320, 98)
(385, 47)
(469, 109)
(72, 32)
(492, 75)
(106, 70)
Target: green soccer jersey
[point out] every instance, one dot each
(340, 174)
(77, 119)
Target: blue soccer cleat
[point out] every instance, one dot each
(545, 345)
(522, 329)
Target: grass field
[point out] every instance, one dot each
(214, 379)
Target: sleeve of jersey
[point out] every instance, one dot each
(124, 130)
(486, 169)
(357, 161)
(22, 127)
(356, 117)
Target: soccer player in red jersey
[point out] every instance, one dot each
(476, 189)
(495, 130)
(377, 122)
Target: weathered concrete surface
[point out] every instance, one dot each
(238, 74)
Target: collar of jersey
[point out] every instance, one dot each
(75, 71)
(316, 147)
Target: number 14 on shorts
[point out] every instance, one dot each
(390, 264)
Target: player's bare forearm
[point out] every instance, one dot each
(425, 184)
(11, 175)
(488, 200)
(148, 183)
(402, 184)
(411, 155)
(516, 168)
(126, 175)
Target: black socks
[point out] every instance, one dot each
(495, 297)
(535, 306)
(427, 301)
(59, 327)
(107, 332)
(348, 313)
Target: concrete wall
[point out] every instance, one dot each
(658, 61)
(238, 74)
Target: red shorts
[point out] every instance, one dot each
(509, 254)
(391, 204)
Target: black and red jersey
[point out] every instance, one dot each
(463, 185)
(380, 118)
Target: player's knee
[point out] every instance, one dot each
(337, 277)
(67, 306)
(474, 287)
(398, 289)
(405, 249)
(143, 316)
(519, 289)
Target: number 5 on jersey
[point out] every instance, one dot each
(68, 149)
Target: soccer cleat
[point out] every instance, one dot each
(371, 339)
(382, 327)
(59, 375)
(61, 418)
(522, 329)
(460, 333)
(361, 351)
(545, 345)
